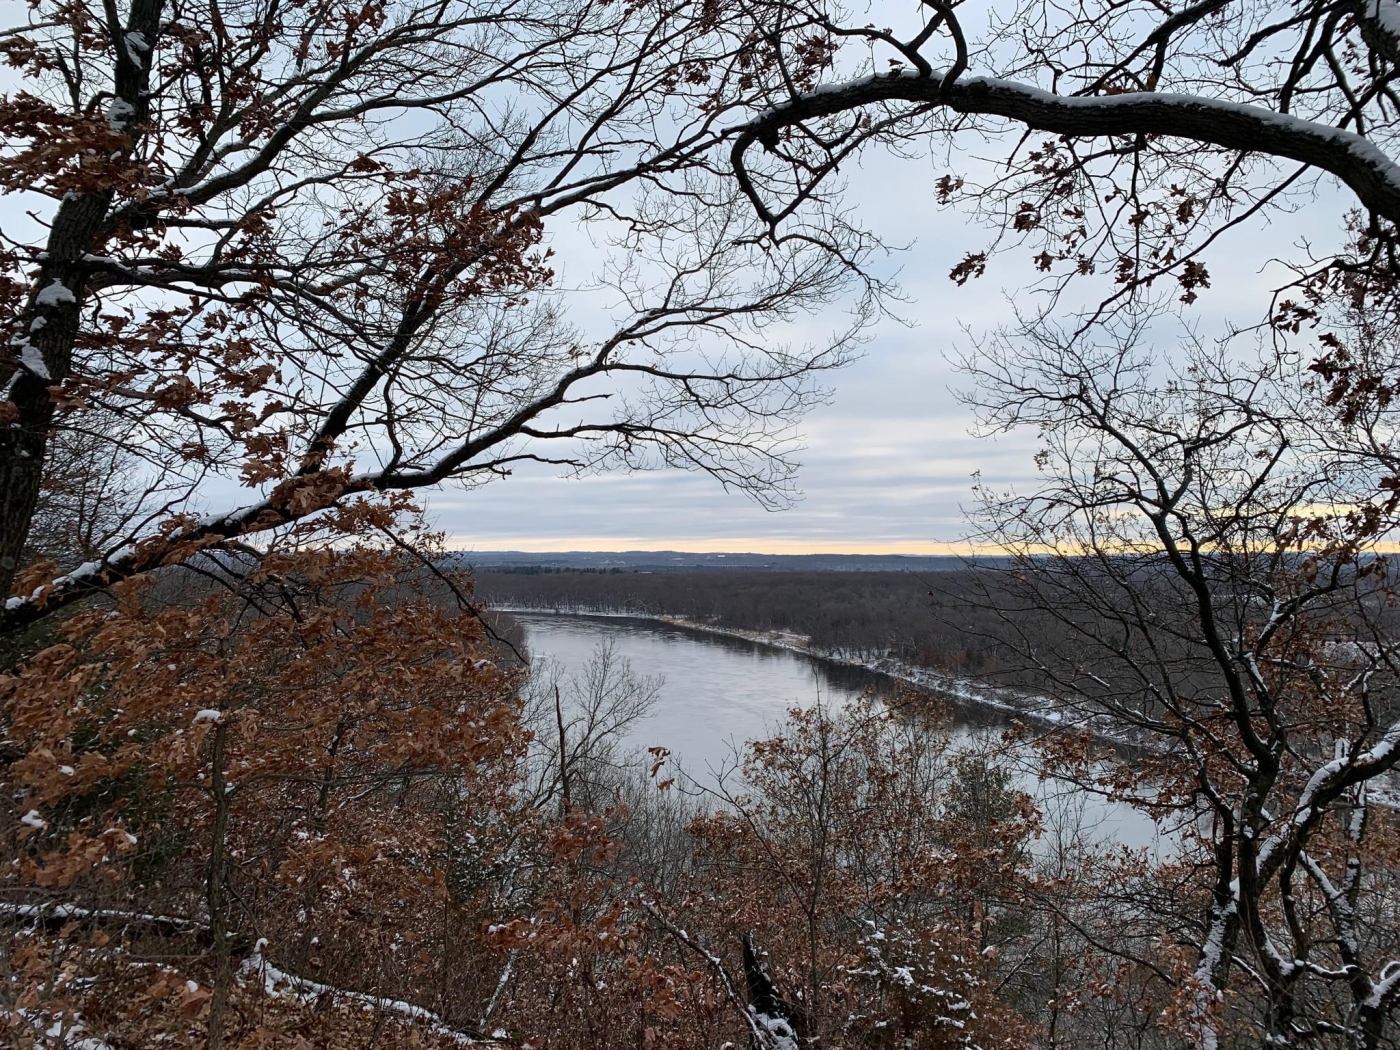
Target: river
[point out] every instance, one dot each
(718, 692)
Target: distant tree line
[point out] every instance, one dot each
(933, 620)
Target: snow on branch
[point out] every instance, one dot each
(1364, 167)
(54, 916)
(280, 984)
(1380, 24)
(766, 1032)
(133, 558)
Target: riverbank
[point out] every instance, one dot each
(1031, 707)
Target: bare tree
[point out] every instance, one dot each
(303, 247)
(579, 721)
(92, 493)
(1208, 544)
(1194, 573)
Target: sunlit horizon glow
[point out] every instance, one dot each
(767, 545)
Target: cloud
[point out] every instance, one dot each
(889, 463)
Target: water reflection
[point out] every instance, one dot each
(719, 692)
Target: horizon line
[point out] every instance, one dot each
(773, 550)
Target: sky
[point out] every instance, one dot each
(889, 462)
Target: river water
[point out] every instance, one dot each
(718, 692)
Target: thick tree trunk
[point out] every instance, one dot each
(21, 462)
(48, 331)
(214, 894)
(45, 334)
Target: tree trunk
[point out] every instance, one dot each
(772, 1012)
(214, 893)
(46, 331)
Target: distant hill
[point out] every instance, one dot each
(675, 561)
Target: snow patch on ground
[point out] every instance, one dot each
(56, 1030)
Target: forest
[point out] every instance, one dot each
(280, 280)
(934, 619)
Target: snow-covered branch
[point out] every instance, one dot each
(1359, 163)
(278, 983)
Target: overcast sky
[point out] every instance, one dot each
(889, 462)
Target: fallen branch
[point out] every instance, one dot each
(763, 1036)
(53, 916)
(278, 983)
